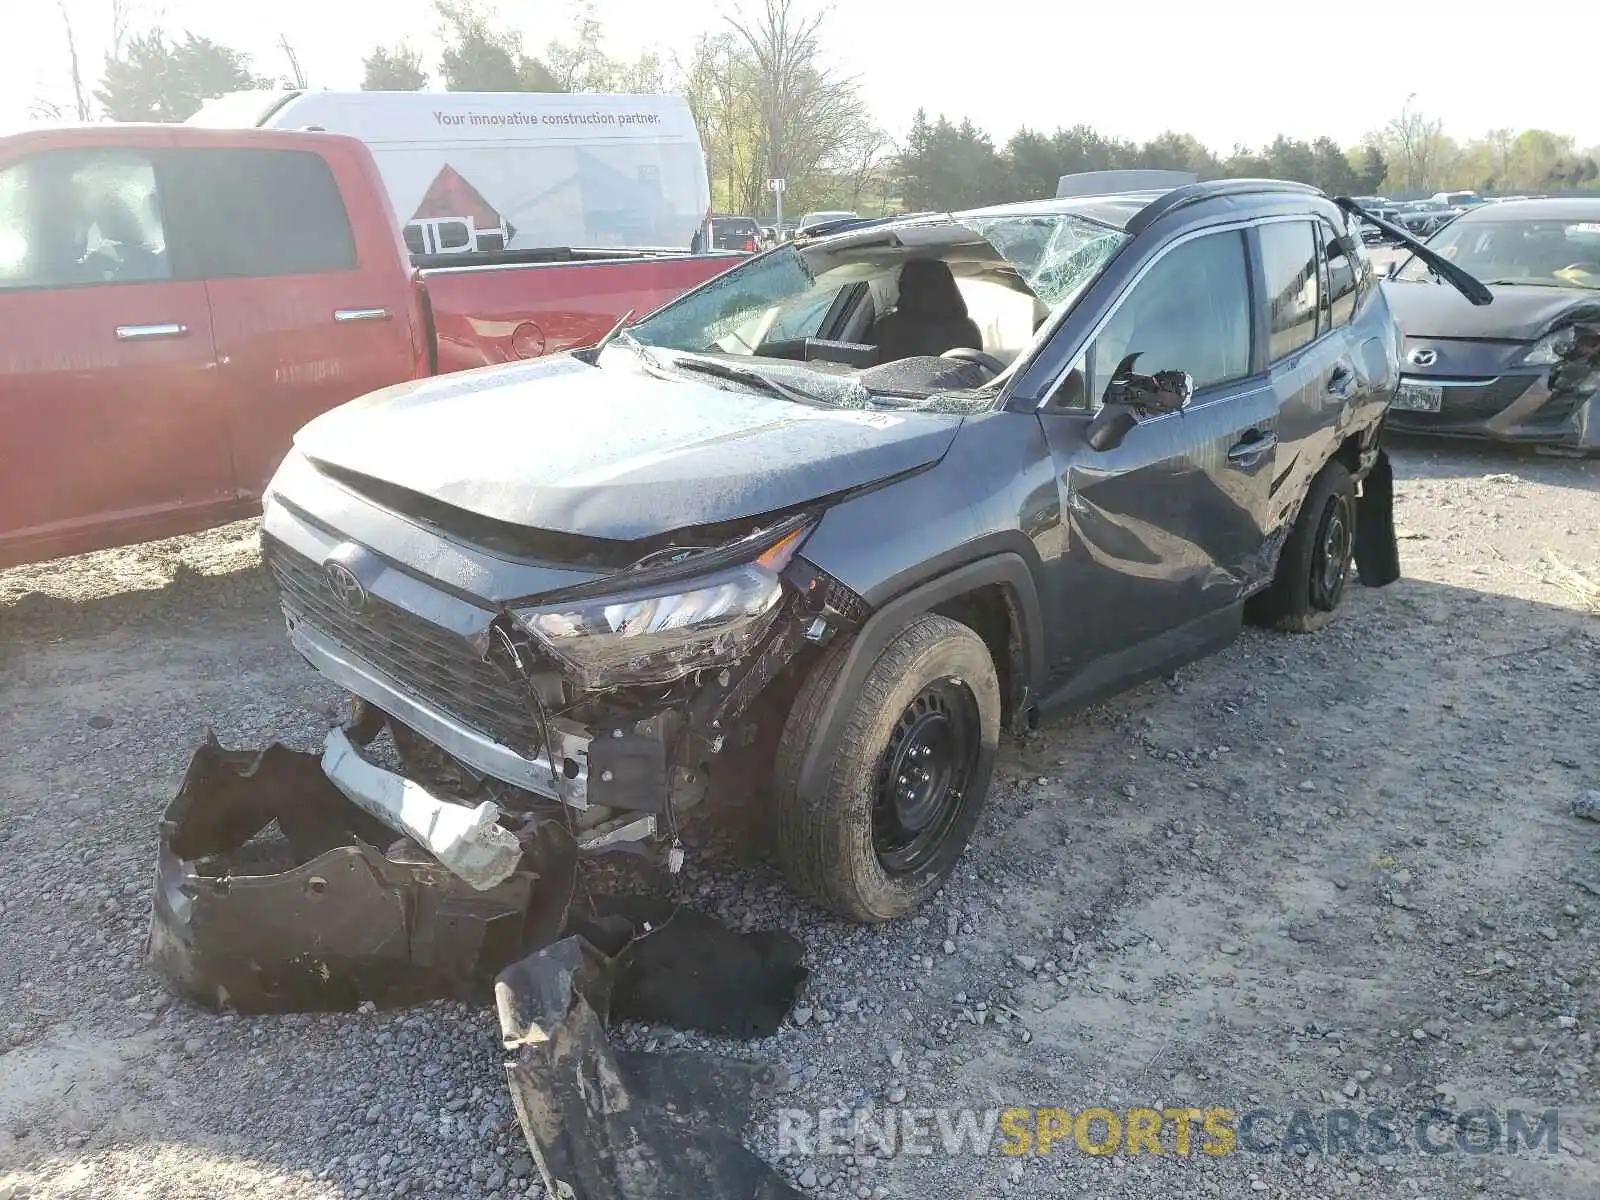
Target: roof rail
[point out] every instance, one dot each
(1110, 183)
(1193, 193)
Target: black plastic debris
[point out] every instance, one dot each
(678, 967)
(1377, 546)
(275, 893)
(604, 1125)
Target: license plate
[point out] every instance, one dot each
(1418, 397)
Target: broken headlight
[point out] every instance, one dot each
(661, 634)
(1551, 349)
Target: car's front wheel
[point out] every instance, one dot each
(903, 787)
(1314, 566)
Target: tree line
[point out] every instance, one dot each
(769, 104)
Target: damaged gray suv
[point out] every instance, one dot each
(847, 511)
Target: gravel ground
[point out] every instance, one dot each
(1343, 870)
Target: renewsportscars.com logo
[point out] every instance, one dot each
(1173, 1132)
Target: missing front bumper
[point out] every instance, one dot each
(275, 893)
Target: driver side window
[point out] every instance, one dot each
(1190, 312)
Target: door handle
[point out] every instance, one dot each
(1249, 451)
(144, 333)
(345, 315)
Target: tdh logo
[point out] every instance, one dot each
(454, 218)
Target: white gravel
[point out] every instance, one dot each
(1327, 871)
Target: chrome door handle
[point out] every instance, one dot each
(143, 333)
(346, 315)
(1248, 453)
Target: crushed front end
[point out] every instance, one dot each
(606, 696)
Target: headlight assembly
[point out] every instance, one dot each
(660, 634)
(1552, 348)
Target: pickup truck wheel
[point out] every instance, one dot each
(1314, 567)
(906, 780)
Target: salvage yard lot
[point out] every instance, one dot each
(1330, 871)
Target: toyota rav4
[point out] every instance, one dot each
(852, 508)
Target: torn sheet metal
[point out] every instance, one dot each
(273, 894)
(609, 1126)
(469, 840)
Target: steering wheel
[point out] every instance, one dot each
(966, 354)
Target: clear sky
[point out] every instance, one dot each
(1228, 71)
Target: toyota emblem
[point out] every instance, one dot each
(1424, 358)
(347, 589)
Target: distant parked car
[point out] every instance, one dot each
(735, 233)
(1525, 368)
(1459, 199)
(1378, 206)
(816, 220)
(1424, 218)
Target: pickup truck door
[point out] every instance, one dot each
(309, 308)
(113, 425)
(1163, 529)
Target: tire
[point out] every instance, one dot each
(854, 847)
(1306, 590)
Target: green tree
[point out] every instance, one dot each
(1176, 152)
(478, 57)
(1370, 169)
(157, 80)
(393, 69)
(947, 166)
(1330, 168)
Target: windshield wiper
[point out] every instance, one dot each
(721, 370)
(591, 354)
(1560, 283)
(1463, 281)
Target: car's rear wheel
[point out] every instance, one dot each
(1314, 567)
(903, 788)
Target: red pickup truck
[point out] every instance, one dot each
(175, 302)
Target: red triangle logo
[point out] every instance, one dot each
(449, 195)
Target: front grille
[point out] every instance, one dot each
(1465, 404)
(427, 662)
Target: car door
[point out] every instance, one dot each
(113, 423)
(1163, 528)
(307, 312)
(1309, 281)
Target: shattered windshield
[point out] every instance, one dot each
(826, 319)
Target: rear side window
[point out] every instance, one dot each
(1339, 302)
(74, 217)
(1289, 265)
(254, 213)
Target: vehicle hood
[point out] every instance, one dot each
(1518, 314)
(611, 451)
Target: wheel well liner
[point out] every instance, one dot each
(968, 588)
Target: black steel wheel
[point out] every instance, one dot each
(1330, 559)
(1314, 566)
(883, 823)
(925, 776)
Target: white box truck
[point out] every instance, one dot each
(471, 172)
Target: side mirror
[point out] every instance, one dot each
(1131, 395)
(1110, 425)
(1150, 395)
